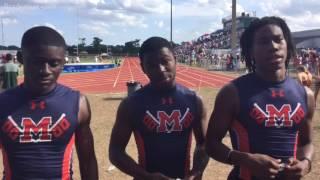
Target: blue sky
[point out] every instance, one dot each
(119, 21)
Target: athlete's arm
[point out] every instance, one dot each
(200, 156)
(225, 112)
(302, 164)
(84, 142)
(120, 136)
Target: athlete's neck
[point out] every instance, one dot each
(276, 76)
(163, 88)
(37, 92)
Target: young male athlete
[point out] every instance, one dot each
(162, 116)
(267, 113)
(41, 120)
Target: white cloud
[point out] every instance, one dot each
(300, 15)
(144, 6)
(203, 1)
(205, 8)
(114, 18)
(6, 18)
(160, 24)
(96, 27)
(214, 26)
(304, 21)
(290, 7)
(8, 21)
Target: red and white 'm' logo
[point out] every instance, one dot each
(168, 122)
(273, 117)
(35, 132)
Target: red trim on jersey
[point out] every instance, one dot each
(187, 163)
(141, 149)
(6, 165)
(243, 146)
(67, 157)
(296, 146)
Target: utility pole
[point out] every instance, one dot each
(2, 32)
(78, 30)
(171, 22)
(234, 27)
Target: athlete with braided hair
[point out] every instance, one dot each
(268, 114)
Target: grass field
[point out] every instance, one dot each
(104, 108)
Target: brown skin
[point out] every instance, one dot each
(270, 53)
(42, 67)
(297, 169)
(160, 68)
(84, 142)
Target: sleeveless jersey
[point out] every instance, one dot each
(162, 125)
(269, 119)
(37, 133)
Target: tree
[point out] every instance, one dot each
(96, 42)
(82, 44)
(72, 50)
(3, 47)
(132, 47)
(97, 47)
(13, 47)
(117, 50)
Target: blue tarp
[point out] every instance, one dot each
(70, 68)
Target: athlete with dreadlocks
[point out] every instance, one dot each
(265, 111)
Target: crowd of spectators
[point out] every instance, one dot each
(209, 50)
(310, 58)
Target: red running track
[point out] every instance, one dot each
(114, 80)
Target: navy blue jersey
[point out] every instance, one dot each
(162, 125)
(37, 133)
(269, 119)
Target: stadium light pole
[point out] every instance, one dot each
(2, 32)
(171, 22)
(234, 27)
(77, 30)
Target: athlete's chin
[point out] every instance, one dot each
(165, 83)
(276, 67)
(45, 88)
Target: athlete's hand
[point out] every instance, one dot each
(193, 176)
(262, 166)
(296, 169)
(158, 176)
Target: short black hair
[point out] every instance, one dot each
(19, 57)
(246, 40)
(153, 44)
(8, 57)
(42, 35)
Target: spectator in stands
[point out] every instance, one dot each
(304, 77)
(10, 73)
(66, 58)
(77, 59)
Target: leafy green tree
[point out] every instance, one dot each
(132, 47)
(12, 47)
